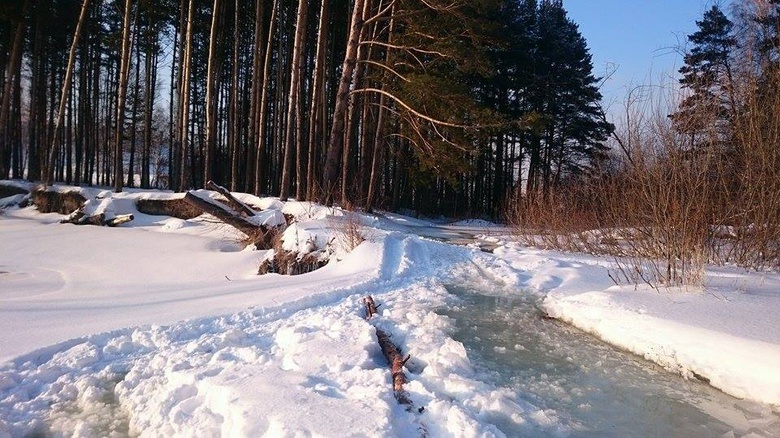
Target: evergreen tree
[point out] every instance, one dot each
(707, 73)
(555, 95)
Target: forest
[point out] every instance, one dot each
(440, 107)
(692, 175)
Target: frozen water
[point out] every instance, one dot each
(594, 388)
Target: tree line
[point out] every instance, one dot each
(693, 176)
(442, 107)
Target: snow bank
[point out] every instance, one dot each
(725, 334)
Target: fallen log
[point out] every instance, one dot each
(79, 218)
(397, 362)
(371, 307)
(260, 235)
(119, 220)
(234, 203)
(393, 355)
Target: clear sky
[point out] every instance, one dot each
(642, 39)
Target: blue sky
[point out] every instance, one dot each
(641, 38)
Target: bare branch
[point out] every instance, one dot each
(386, 67)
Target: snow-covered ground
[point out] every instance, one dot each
(161, 327)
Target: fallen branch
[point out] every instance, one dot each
(234, 203)
(393, 356)
(371, 307)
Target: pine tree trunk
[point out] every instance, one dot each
(124, 73)
(149, 78)
(134, 118)
(294, 100)
(185, 98)
(349, 158)
(211, 101)
(234, 133)
(317, 98)
(336, 142)
(49, 169)
(254, 121)
(13, 72)
(262, 113)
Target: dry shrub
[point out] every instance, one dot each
(562, 219)
(676, 200)
(753, 191)
(261, 239)
(347, 229)
(286, 262)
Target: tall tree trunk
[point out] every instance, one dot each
(294, 99)
(254, 120)
(13, 71)
(149, 79)
(234, 128)
(134, 118)
(349, 161)
(317, 97)
(174, 128)
(376, 159)
(49, 169)
(124, 73)
(185, 98)
(336, 143)
(211, 101)
(261, 132)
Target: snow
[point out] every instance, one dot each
(724, 333)
(161, 326)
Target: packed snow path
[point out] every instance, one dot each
(281, 370)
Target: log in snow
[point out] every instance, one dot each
(393, 356)
(260, 234)
(79, 218)
(371, 307)
(234, 203)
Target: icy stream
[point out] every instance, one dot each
(593, 388)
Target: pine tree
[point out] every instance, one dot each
(707, 74)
